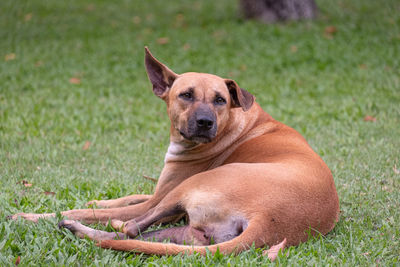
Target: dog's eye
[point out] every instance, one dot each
(219, 100)
(186, 96)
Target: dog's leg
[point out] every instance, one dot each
(83, 231)
(178, 235)
(167, 208)
(119, 202)
(254, 234)
(95, 215)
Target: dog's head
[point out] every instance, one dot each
(198, 103)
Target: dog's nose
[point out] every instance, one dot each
(204, 123)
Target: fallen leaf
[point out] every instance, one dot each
(18, 260)
(150, 178)
(197, 5)
(330, 31)
(90, 7)
(179, 21)
(186, 47)
(273, 251)
(387, 188)
(49, 193)
(163, 40)
(219, 35)
(114, 23)
(9, 57)
(86, 146)
(369, 118)
(180, 16)
(293, 49)
(75, 80)
(396, 171)
(136, 20)
(28, 17)
(25, 183)
(150, 17)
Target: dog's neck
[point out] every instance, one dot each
(246, 126)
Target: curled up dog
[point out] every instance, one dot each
(240, 176)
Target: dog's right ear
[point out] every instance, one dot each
(239, 96)
(159, 75)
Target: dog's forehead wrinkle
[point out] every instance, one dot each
(201, 80)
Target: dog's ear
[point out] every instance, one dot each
(159, 75)
(239, 96)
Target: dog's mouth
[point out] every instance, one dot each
(197, 138)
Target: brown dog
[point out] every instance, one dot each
(240, 176)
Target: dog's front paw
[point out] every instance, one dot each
(68, 224)
(83, 231)
(76, 228)
(33, 217)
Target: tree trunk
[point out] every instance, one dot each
(269, 11)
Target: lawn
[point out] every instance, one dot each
(78, 120)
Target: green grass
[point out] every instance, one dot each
(322, 86)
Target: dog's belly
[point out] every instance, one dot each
(207, 213)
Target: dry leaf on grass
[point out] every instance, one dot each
(330, 31)
(48, 193)
(186, 47)
(74, 80)
(25, 183)
(136, 20)
(28, 17)
(369, 118)
(163, 40)
(150, 178)
(396, 171)
(18, 260)
(87, 145)
(90, 7)
(9, 57)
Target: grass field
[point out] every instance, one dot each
(78, 120)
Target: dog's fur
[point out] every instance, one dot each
(240, 176)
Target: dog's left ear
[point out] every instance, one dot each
(160, 75)
(239, 96)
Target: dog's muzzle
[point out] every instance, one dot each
(202, 126)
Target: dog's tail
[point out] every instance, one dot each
(252, 234)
